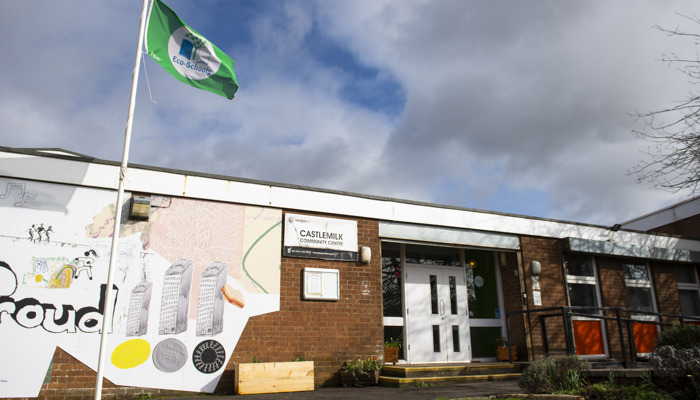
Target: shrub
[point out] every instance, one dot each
(606, 391)
(678, 369)
(535, 378)
(680, 337)
(553, 374)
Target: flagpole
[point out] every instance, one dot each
(108, 305)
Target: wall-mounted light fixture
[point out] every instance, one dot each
(472, 263)
(365, 254)
(536, 268)
(140, 208)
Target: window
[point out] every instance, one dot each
(583, 295)
(688, 289)
(581, 282)
(430, 255)
(579, 265)
(638, 282)
(391, 279)
(641, 298)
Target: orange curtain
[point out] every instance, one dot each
(644, 337)
(588, 336)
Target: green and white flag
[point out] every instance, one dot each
(186, 54)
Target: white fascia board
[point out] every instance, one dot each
(687, 209)
(58, 170)
(157, 182)
(650, 222)
(226, 190)
(665, 216)
(491, 222)
(442, 234)
(333, 203)
(626, 250)
(99, 175)
(84, 173)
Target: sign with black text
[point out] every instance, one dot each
(324, 238)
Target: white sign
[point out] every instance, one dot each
(537, 297)
(316, 237)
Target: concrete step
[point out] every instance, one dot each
(432, 374)
(440, 370)
(391, 381)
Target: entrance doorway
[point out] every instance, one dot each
(437, 315)
(443, 303)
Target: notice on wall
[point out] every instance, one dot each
(321, 284)
(537, 297)
(323, 238)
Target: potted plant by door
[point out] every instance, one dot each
(391, 350)
(360, 372)
(502, 350)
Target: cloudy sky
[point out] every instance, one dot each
(512, 106)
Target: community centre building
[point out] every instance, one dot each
(212, 271)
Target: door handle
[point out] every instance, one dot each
(442, 306)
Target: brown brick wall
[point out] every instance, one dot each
(666, 290)
(510, 282)
(613, 293)
(688, 228)
(71, 379)
(547, 252)
(326, 332)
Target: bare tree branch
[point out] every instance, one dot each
(673, 159)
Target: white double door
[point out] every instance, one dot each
(437, 315)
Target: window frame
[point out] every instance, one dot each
(644, 284)
(690, 287)
(583, 280)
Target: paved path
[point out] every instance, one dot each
(457, 391)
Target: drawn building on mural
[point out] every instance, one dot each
(176, 298)
(210, 306)
(139, 304)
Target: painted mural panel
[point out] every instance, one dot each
(186, 281)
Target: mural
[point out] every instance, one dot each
(186, 282)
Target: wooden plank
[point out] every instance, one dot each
(274, 385)
(274, 377)
(277, 370)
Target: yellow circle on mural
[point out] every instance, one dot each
(131, 353)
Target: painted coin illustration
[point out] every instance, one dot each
(170, 355)
(209, 356)
(131, 353)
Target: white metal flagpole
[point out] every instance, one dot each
(108, 305)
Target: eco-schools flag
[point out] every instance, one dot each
(186, 54)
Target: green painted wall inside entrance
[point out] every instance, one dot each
(484, 341)
(481, 285)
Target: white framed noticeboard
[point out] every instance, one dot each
(321, 284)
